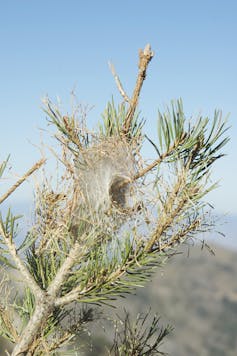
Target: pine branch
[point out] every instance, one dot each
(63, 271)
(170, 151)
(77, 250)
(36, 166)
(145, 57)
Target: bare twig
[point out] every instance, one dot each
(145, 57)
(144, 171)
(162, 157)
(36, 166)
(118, 83)
(155, 163)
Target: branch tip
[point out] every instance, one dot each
(145, 57)
(147, 51)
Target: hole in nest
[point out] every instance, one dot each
(118, 191)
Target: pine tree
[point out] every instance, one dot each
(108, 222)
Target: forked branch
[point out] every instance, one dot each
(145, 57)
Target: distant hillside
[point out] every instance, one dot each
(198, 296)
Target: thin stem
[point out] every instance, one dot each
(171, 210)
(36, 166)
(155, 163)
(145, 57)
(118, 83)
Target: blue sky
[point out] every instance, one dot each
(54, 47)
